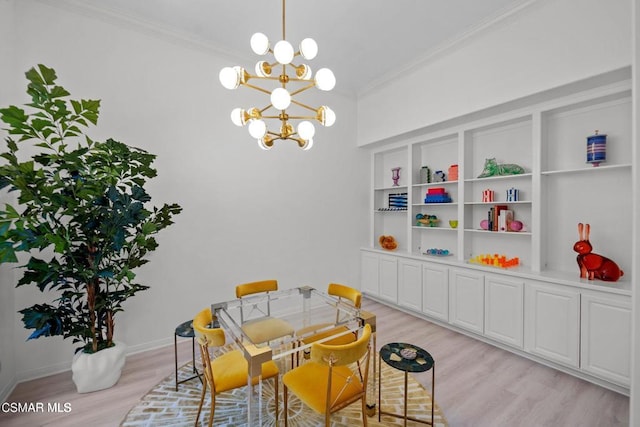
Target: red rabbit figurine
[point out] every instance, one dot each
(594, 266)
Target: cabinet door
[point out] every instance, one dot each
(369, 273)
(504, 310)
(466, 303)
(389, 278)
(606, 337)
(552, 322)
(410, 284)
(435, 291)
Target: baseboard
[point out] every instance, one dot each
(45, 371)
(8, 389)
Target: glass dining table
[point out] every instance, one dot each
(307, 310)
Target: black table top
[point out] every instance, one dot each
(390, 353)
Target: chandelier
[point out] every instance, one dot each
(288, 79)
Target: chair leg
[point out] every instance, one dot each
(175, 354)
(364, 409)
(275, 379)
(204, 391)
(213, 407)
(286, 399)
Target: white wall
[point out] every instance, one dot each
(248, 214)
(546, 44)
(634, 406)
(7, 315)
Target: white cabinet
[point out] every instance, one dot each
(435, 291)
(552, 322)
(466, 299)
(504, 310)
(389, 278)
(379, 276)
(410, 284)
(369, 273)
(606, 336)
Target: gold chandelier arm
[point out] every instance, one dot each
(258, 88)
(302, 117)
(302, 89)
(293, 101)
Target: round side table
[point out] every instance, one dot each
(185, 330)
(401, 356)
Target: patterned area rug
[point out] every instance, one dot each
(163, 406)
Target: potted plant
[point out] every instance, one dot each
(82, 216)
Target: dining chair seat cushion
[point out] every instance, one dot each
(310, 381)
(339, 340)
(266, 329)
(230, 371)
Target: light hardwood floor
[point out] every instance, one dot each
(476, 384)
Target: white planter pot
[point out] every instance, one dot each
(97, 371)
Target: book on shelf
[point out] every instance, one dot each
(493, 216)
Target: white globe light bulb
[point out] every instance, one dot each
(280, 98)
(230, 77)
(262, 144)
(283, 52)
(304, 72)
(306, 130)
(308, 48)
(257, 129)
(260, 44)
(263, 69)
(237, 116)
(328, 116)
(325, 80)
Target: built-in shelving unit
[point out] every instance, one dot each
(546, 135)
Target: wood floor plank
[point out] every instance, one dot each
(476, 384)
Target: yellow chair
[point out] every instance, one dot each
(263, 328)
(344, 293)
(227, 371)
(335, 377)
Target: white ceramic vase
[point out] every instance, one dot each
(97, 371)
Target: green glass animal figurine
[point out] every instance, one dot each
(492, 168)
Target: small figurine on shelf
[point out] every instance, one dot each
(596, 149)
(388, 242)
(495, 260)
(395, 175)
(439, 176)
(487, 196)
(594, 266)
(427, 220)
(492, 168)
(453, 173)
(513, 195)
(425, 175)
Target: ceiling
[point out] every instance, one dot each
(363, 41)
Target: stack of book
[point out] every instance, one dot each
(437, 195)
(499, 217)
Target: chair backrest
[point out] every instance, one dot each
(206, 335)
(246, 289)
(345, 293)
(345, 354)
(256, 287)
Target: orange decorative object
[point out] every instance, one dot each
(594, 266)
(495, 260)
(388, 242)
